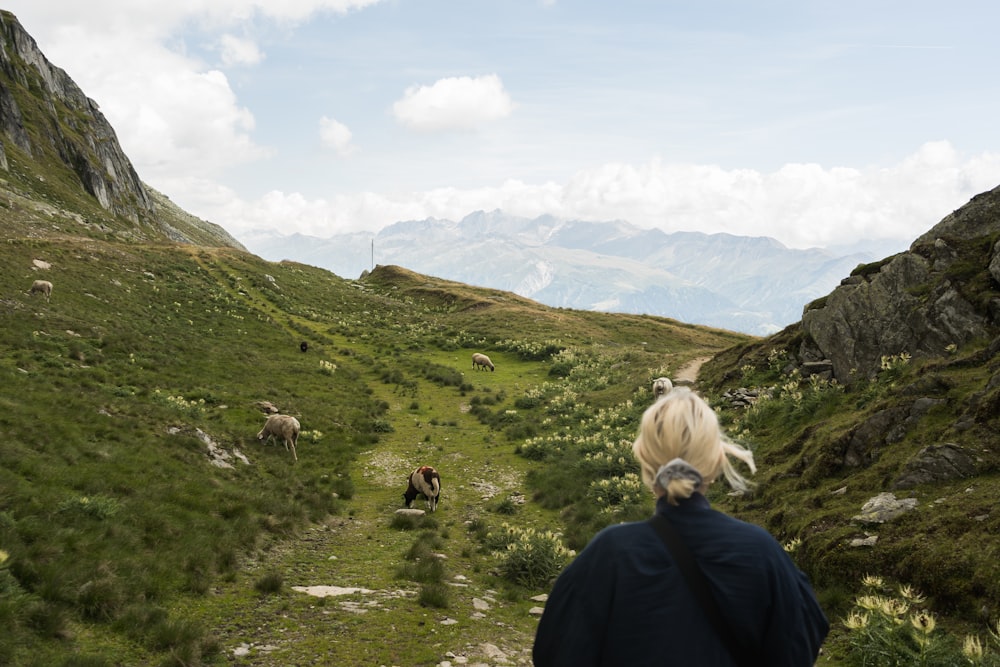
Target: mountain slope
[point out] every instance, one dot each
(753, 285)
(141, 522)
(61, 165)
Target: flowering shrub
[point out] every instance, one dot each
(565, 403)
(311, 436)
(192, 408)
(892, 367)
(893, 630)
(895, 362)
(528, 557)
(614, 495)
(531, 350)
(614, 459)
(508, 417)
(791, 401)
(544, 447)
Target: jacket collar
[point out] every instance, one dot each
(696, 502)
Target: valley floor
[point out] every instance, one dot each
(367, 614)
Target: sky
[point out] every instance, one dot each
(815, 122)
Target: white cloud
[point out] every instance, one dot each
(238, 51)
(166, 16)
(182, 123)
(335, 135)
(204, 128)
(168, 107)
(801, 205)
(454, 103)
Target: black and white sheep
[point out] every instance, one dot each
(424, 481)
(284, 427)
(43, 287)
(661, 387)
(480, 360)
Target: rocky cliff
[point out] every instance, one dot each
(77, 131)
(60, 159)
(938, 296)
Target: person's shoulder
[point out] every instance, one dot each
(618, 531)
(621, 535)
(747, 533)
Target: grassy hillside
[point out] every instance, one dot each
(126, 544)
(142, 523)
(825, 450)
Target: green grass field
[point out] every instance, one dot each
(124, 544)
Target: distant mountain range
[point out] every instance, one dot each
(753, 285)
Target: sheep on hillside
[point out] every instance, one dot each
(285, 427)
(424, 481)
(481, 360)
(41, 287)
(661, 387)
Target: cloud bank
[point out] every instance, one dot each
(801, 205)
(175, 101)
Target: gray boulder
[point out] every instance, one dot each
(885, 507)
(936, 463)
(912, 302)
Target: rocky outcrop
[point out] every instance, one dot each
(741, 397)
(68, 125)
(863, 444)
(936, 463)
(180, 226)
(922, 302)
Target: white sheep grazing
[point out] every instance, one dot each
(285, 427)
(661, 387)
(481, 360)
(424, 481)
(41, 287)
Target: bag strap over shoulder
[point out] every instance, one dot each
(699, 586)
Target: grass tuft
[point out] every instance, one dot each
(270, 583)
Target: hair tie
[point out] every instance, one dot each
(678, 469)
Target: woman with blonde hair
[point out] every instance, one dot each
(692, 586)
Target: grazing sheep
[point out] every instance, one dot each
(303, 346)
(41, 287)
(285, 427)
(661, 387)
(481, 360)
(424, 481)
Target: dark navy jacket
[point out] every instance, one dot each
(623, 601)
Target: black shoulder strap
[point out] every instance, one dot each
(699, 586)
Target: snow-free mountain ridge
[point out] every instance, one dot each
(754, 285)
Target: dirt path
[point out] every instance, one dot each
(689, 372)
